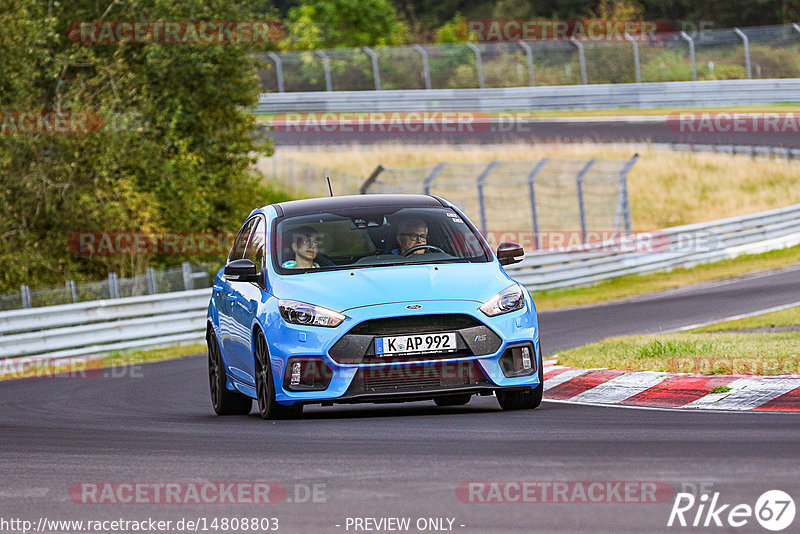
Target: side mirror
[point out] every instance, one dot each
(242, 270)
(508, 253)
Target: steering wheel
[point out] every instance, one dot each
(412, 250)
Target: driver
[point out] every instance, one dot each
(411, 233)
(305, 244)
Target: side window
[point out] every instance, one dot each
(237, 253)
(255, 250)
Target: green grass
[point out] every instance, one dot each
(709, 354)
(787, 317)
(114, 360)
(632, 285)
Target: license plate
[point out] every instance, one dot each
(416, 343)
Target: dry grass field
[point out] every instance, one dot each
(666, 188)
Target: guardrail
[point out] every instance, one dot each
(679, 246)
(716, 93)
(92, 329)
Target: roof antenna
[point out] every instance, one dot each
(329, 184)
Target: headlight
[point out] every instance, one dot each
(296, 312)
(508, 300)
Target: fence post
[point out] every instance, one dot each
(481, 179)
(581, 58)
(113, 286)
(636, 64)
(426, 67)
(25, 293)
(746, 43)
(371, 180)
(579, 185)
(278, 69)
(326, 66)
(72, 290)
(624, 208)
(529, 56)
(532, 195)
(478, 63)
(432, 176)
(689, 40)
(152, 287)
(376, 73)
(187, 276)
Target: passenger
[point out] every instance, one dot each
(305, 243)
(411, 233)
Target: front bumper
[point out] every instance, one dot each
(358, 375)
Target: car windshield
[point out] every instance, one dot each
(380, 237)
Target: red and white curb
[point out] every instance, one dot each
(671, 390)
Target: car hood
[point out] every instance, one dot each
(346, 289)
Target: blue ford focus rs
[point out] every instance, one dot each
(368, 298)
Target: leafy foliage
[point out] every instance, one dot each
(180, 159)
(343, 23)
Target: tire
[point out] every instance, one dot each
(523, 400)
(224, 401)
(268, 407)
(453, 400)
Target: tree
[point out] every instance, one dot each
(343, 23)
(180, 162)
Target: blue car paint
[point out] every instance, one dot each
(361, 294)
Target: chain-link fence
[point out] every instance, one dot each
(758, 52)
(182, 278)
(305, 179)
(576, 199)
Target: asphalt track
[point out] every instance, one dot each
(513, 130)
(154, 423)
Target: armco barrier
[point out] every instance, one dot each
(713, 241)
(96, 328)
(714, 93)
(101, 327)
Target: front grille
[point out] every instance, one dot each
(358, 345)
(414, 324)
(393, 384)
(415, 378)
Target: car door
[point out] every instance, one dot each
(248, 296)
(226, 294)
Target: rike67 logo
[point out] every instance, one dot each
(774, 510)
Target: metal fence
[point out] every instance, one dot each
(93, 329)
(715, 93)
(746, 53)
(183, 278)
(679, 246)
(305, 179)
(550, 194)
